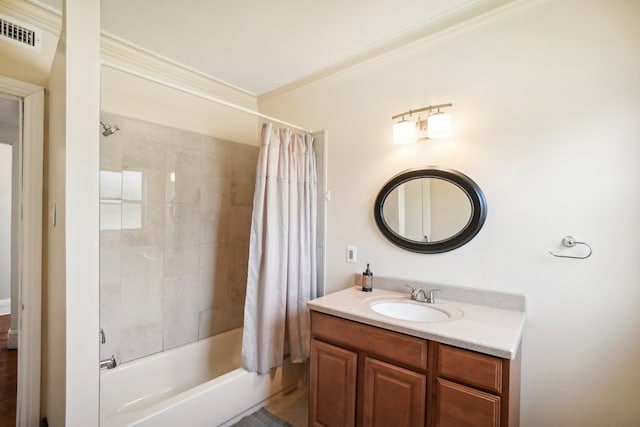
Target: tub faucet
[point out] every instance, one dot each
(108, 363)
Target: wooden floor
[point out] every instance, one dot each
(8, 377)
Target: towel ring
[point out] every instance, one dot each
(570, 242)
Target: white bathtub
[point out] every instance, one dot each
(199, 384)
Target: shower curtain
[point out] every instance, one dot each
(282, 253)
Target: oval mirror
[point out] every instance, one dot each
(430, 210)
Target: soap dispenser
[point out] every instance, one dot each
(367, 280)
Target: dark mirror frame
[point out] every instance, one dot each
(466, 184)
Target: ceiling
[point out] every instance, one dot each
(259, 46)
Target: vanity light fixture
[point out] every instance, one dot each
(437, 124)
(404, 132)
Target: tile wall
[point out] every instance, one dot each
(175, 215)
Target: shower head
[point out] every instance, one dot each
(108, 129)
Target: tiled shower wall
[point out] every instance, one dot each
(175, 217)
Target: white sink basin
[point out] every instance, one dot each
(415, 311)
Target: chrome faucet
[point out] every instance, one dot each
(108, 363)
(431, 299)
(427, 297)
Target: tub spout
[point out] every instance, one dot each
(108, 363)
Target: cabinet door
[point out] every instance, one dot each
(393, 396)
(462, 406)
(332, 391)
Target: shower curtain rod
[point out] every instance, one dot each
(202, 95)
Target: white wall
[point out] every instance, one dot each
(6, 160)
(70, 389)
(54, 291)
(82, 198)
(546, 101)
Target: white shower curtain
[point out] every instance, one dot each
(282, 253)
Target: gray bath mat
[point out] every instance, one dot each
(262, 418)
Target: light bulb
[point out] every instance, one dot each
(404, 132)
(439, 125)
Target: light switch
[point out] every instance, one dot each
(352, 254)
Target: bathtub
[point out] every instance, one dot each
(198, 384)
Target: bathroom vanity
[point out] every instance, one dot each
(370, 369)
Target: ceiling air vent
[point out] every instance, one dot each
(19, 33)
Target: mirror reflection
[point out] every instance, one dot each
(430, 210)
(427, 210)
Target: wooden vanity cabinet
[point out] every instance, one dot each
(365, 376)
(475, 389)
(361, 375)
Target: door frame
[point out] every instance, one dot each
(30, 198)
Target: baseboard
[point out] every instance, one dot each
(5, 306)
(12, 343)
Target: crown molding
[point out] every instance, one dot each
(128, 55)
(123, 53)
(33, 14)
(455, 18)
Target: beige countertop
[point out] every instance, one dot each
(489, 330)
